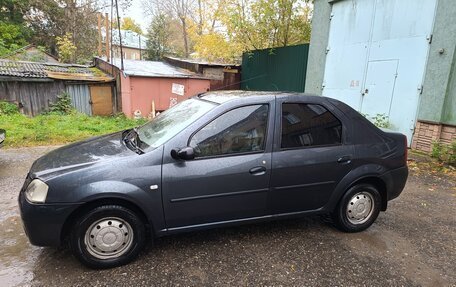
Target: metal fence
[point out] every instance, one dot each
(275, 69)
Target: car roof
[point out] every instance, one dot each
(221, 97)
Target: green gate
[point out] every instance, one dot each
(275, 69)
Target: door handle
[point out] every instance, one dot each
(344, 159)
(258, 170)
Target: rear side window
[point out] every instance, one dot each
(241, 130)
(309, 125)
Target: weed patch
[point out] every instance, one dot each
(55, 128)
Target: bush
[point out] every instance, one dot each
(444, 152)
(8, 108)
(63, 105)
(379, 120)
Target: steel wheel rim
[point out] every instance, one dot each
(108, 238)
(360, 207)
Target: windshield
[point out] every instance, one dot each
(171, 122)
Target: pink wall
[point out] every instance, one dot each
(138, 93)
(125, 94)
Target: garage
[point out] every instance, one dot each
(376, 57)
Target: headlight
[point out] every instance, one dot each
(36, 191)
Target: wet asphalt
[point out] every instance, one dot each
(412, 244)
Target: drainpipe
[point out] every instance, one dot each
(110, 34)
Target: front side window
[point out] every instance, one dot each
(238, 131)
(309, 125)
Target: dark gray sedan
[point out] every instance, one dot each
(218, 159)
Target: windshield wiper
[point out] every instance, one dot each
(132, 139)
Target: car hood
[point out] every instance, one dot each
(81, 154)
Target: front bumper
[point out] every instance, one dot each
(43, 223)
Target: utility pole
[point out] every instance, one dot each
(120, 37)
(110, 34)
(100, 41)
(107, 37)
(140, 52)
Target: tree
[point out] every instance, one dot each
(253, 24)
(180, 10)
(12, 37)
(224, 29)
(66, 48)
(131, 25)
(13, 31)
(259, 24)
(158, 41)
(50, 19)
(214, 47)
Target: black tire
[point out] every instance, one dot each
(107, 223)
(357, 217)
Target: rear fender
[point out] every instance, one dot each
(357, 174)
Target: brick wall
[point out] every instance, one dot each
(448, 134)
(428, 133)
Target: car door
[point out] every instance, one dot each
(309, 156)
(229, 177)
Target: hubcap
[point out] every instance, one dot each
(360, 207)
(108, 238)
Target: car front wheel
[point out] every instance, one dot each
(358, 208)
(107, 236)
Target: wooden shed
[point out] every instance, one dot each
(33, 86)
(223, 76)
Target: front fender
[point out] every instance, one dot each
(148, 201)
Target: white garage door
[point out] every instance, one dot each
(377, 53)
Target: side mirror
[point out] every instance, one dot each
(186, 153)
(2, 136)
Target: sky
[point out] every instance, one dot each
(136, 13)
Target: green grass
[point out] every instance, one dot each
(54, 129)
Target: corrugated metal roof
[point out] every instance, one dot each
(22, 69)
(204, 62)
(154, 69)
(129, 38)
(51, 70)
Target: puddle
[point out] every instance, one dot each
(16, 255)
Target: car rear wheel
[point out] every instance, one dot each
(107, 236)
(358, 208)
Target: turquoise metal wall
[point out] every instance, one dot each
(438, 101)
(318, 45)
(277, 69)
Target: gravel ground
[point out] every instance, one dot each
(412, 244)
